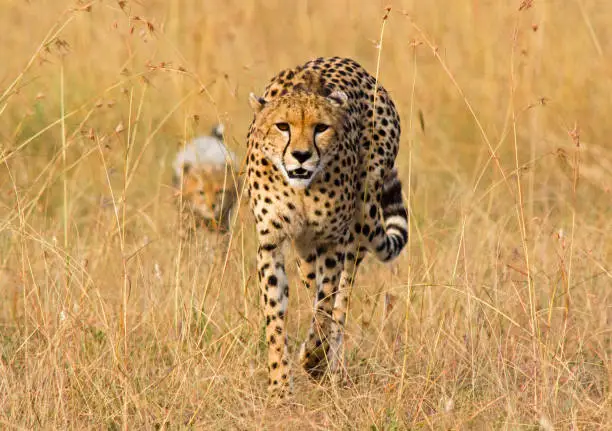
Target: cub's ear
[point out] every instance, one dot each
(338, 98)
(217, 131)
(257, 103)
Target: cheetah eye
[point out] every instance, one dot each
(283, 127)
(320, 128)
(202, 193)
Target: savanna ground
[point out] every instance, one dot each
(497, 316)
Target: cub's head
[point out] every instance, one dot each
(298, 132)
(209, 192)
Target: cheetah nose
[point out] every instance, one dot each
(301, 156)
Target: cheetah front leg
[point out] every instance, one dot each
(314, 351)
(274, 295)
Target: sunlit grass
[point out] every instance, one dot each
(497, 316)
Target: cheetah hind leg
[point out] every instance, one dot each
(307, 271)
(306, 266)
(314, 351)
(336, 347)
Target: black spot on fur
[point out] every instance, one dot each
(330, 263)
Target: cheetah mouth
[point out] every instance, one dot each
(212, 224)
(299, 173)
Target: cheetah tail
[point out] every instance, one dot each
(395, 218)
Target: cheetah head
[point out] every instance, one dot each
(208, 192)
(299, 132)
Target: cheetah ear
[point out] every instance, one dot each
(217, 131)
(257, 103)
(338, 98)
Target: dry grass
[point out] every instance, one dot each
(499, 313)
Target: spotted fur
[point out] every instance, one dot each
(320, 172)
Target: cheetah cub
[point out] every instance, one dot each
(204, 182)
(320, 173)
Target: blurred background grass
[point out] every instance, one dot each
(498, 315)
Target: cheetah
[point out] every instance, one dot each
(204, 182)
(320, 174)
